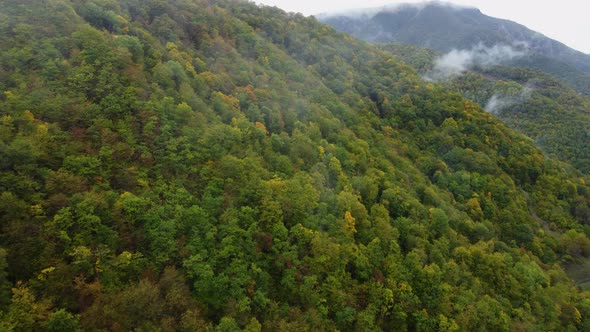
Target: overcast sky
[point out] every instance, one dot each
(567, 21)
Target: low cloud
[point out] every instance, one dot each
(500, 101)
(458, 62)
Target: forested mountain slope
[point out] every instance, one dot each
(214, 165)
(445, 27)
(538, 105)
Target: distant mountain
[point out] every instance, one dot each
(445, 27)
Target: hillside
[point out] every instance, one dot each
(538, 105)
(208, 165)
(444, 27)
(552, 114)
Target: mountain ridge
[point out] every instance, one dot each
(458, 28)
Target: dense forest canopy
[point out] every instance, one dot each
(216, 165)
(531, 102)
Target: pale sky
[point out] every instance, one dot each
(567, 21)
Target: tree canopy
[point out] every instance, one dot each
(218, 165)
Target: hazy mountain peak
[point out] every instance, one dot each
(392, 8)
(444, 27)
